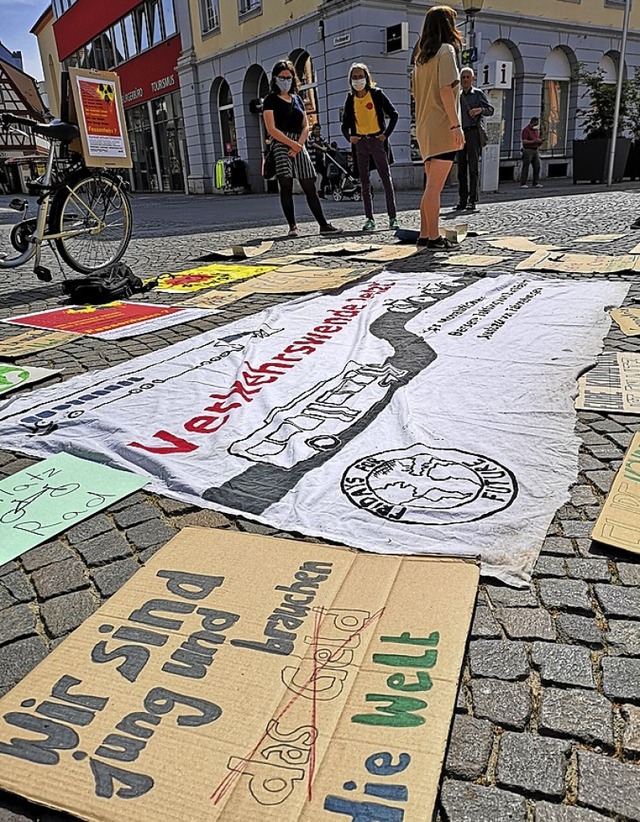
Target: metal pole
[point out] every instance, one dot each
(616, 110)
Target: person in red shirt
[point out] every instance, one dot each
(531, 143)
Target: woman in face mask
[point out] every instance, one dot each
(368, 119)
(438, 126)
(286, 121)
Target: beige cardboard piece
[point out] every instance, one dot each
(339, 249)
(300, 279)
(215, 299)
(222, 704)
(545, 260)
(240, 252)
(385, 254)
(456, 233)
(619, 520)
(517, 244)
(31, 341)
(477, 260)
(628, 319)
(611, 385)
(635, 249)
(97, 108)
(599, 238)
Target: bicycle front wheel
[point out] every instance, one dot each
(94, 221)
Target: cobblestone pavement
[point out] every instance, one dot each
(547, 725)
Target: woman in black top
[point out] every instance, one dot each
(286, 121)
(368, 120)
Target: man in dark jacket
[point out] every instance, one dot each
(473, 107)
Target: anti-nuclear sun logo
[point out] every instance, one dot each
(106, 92)
(429, 486)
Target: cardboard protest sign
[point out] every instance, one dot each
(635, 249)
(477, 260)
(209, 276)
(386, 254)
(243, 678)
(216, 299)
(611, 385)
(40, 502)
(341, 248)
(240, 252)
(98, 109)
(298, 279)
(628, 319)
(32, 341)
(599, 238)
(111, 321)
(546, 260)
(15, 376)
(517, 244)
(619, 520)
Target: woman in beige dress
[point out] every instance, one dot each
(438, 129)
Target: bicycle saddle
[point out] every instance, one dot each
(56, 130)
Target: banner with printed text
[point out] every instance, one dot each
(408, 414)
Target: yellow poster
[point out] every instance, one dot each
(209, 276)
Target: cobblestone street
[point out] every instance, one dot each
(547, 724)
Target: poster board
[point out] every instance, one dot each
(32, 341)
(619, 521)
(628, 319)
(13, 376)
(263, 681)
(611, 385)
(98, 110)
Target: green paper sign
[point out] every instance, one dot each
(15, 376)
(45, 499)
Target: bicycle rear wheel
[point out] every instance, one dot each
(94, 216)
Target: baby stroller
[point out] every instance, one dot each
(341, 183)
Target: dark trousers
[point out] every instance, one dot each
(530, 157)
(371, 148)
(469, 166)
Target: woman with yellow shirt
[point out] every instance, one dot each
(438, 129)
(366, 127)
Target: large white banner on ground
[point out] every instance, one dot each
(408, 414)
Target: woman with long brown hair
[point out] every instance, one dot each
(286, 121)
(438, 127)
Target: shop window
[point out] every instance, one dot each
(131, 42)
(307, 84)
(227, 120)
(141, 28)
(155, 29)
(210, 15)
(555, 103)
(117, 38)
(249, 6)
(85, 57)
(169, 18)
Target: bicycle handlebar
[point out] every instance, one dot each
(9, 119)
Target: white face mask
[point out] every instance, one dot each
(359, 85)
(284, 83)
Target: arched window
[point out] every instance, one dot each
(306, 76)
(227, 120)
(555, 102)
(609, 69)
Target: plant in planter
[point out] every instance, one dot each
(591, 155)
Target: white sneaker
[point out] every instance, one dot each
(293, 232)
(524, 185)
(538, 185)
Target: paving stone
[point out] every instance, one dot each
(484, 624)
(464, 802)
(565, 595)
(512, 597)
(582, 715)
(629, 573)
(583, 495)
(15, 588)
(90, 528)
(135, 514)
(174, 506)
(59, 578)
(110, 578)
(202, 519)
(608, 785)
(558, 545)
(8, 568)
(150, 533)
(577, 529)
(618, 600)
(601, 479)
(526, 623)
(550, 567)
(580, 629)
(588, 463)
(508, 704)
(18, 658)
(17, 622)
(621, 678)
(533, 764)
(499, 659)
(63, 614)
(469, 747)
(563, 664)
(591, 570)
(631, 738)
(546, 812)
(251, 527)
(132, 499)
(45, 554)
(623, 637)
(106, 548)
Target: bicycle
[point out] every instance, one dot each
(84, 213)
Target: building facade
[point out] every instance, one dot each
(140, 41)
(229, 47)
(21, 152)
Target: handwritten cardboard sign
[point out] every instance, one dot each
(611, 385)
(209, 276)
(239, 252)
(244, 678)
(545, 260)
(32, 341)
(40, 502)
(619, 520)
(628, 319)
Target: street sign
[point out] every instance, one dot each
(497, 74)
(469, 56)
(397, 37)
